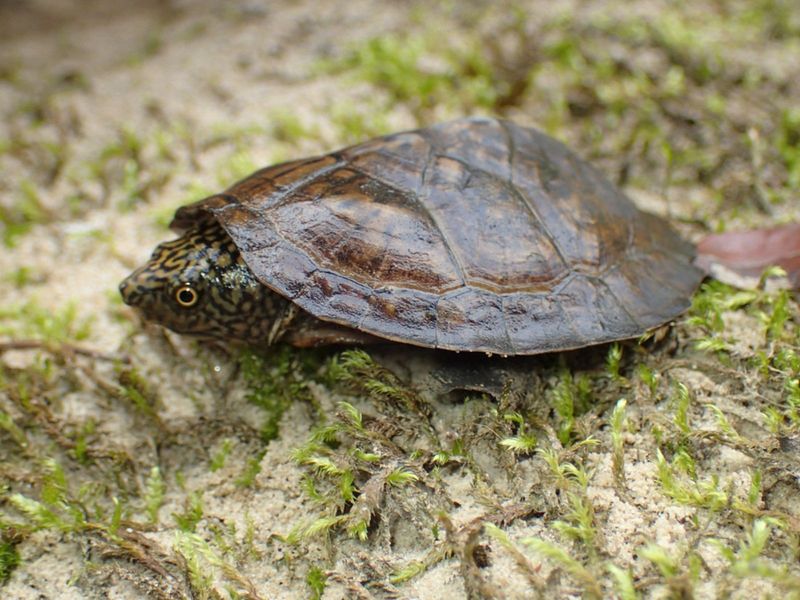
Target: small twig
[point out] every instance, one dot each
(355, 589)
(63, 348)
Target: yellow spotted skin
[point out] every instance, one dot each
(227, 302)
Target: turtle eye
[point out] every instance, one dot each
(186, 296)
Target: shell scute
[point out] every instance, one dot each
(382, 243)
(501, 247)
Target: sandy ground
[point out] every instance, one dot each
(113, 116)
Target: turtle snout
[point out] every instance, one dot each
(126, 291)
(131, 292)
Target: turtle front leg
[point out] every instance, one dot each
(281, 324)
(310, 332)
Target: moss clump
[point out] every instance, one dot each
(275, 380)
(9, 559)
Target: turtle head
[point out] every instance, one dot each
(199, 284)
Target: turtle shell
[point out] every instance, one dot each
(472, 235)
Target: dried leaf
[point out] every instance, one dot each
(747, 254)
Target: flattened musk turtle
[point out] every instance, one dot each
(474, 235)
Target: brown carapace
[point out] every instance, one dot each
(474, 235)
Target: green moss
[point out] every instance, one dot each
(564, 561)
(680, 573)
(708, 307)
(354, 125)
(27, 211)
(702, 493)
(274, 381)
(357, 370)
(613, 361)
(424, 71)
(618, 425)
(351, 455)
(62, 508)
(787, 142)
(31, 320)
(23, 276)
(316, 580)
(413, 569)
(784, 419)
(155, 489)
(9, 559)
(523, 442)
(287, 127)
(138, 391)
(682, 400)
(220, 456)
(623, 582)
(401, 476)
(10, 427)
(192, 514)
(777, 318)
(579, 523)
(82, 440)
(750, 559)
(251, 470)
(648, 377)
(570, 399)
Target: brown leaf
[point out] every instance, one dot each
(748, 253)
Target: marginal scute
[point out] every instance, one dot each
(346, 300)
(473, 235)
(413, 318)
(536, 320)
(587, 301)
(292, 279)
(475, 317)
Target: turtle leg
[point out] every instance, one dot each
(309, 332)
(281, 324)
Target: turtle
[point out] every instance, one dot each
(473, 235)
